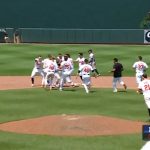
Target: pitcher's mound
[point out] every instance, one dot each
(73, 125)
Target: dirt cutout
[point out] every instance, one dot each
(69, 125)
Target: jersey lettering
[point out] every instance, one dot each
(67, 66)
(86, 69)
(147, 87)
(51, 67)
(140, 66)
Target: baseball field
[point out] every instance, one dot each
(39, 119)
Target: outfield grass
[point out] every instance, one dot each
(11, 141)
(19, 59)
(30, 103)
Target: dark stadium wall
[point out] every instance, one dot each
(88, 14)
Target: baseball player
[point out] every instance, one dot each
(51, 72)
(85, 70)
(144, 87)
(67, 69)
(92, 61)
(81, 62)
(146, 146)
(59, 59)
(38, 69)
(117, 74)
(69, 58)
(140, 67)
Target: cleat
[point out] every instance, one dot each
(115, 90)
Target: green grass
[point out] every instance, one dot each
(30, 103)
(19, 59)
(11, 141)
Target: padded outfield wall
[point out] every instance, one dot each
(47, 35)
(73, 14)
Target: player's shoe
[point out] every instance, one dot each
(50, 87)
(32, 85)
(98, 75)
(115, 90)
(60, 89)
(125, 86)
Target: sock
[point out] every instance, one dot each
(86, 88)
(96, 71)
(149, 111)
(32, 80)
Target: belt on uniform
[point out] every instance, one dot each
(86, 74)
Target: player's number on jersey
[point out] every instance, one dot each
(67, 66)
(140, 66)
(147, 87)
(51, 67)
(86, 69)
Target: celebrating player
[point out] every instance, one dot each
(38, 69)
(144, 87)
(67, 69)
(140, 67)
(117, 74)
(92, 61)
(81, 62)
(85, 70)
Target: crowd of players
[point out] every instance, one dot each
(56, 71)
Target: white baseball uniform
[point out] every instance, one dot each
(146, 146)
(38, 68)
(139, 67)
(50, 72)
(145, 86)
(81, 62)
(85, 70)
(67, 69)
(86, 79)
(92, 60)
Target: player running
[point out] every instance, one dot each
(139, 67)
(67, 69)
(92, 61)
(51, 72)
(85, 71)
(144, 87)
(81, 62)
(37, 70)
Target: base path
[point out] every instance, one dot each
(69, 125)
(21, 82)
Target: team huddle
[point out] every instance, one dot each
(57, 71)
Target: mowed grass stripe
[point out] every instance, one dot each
(19, 59)
(30, 103)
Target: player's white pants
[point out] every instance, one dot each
(57, 78)
(86, 82)
(138, 77)
(146, 146)
(147, 101)
(93, 65)
(66, 76)
(49, 77)
(115, 81)
(37, 71)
